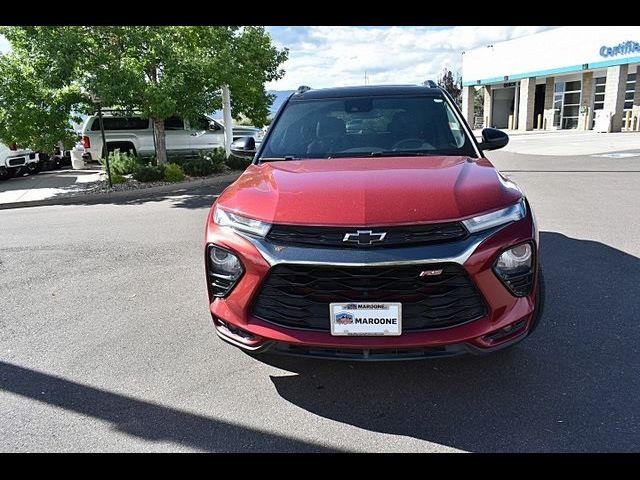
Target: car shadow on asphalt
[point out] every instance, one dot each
(142, 419)
(573, 385)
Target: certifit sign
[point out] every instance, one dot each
(365, 318)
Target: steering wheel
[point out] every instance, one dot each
(408, 143)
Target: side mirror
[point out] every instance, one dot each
(214, 127)
(493, 139)
(244, 147)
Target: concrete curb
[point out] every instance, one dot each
(140, 194)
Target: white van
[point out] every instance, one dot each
(135, 134)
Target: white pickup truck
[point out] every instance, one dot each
(14, 160)
(135, 134)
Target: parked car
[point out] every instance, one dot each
(16, 161)
(135, 134)
(60, 158)
(402, 242)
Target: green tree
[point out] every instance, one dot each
(159, 71)
(32, 113)
(452, 84)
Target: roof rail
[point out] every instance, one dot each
(302, 89)
(430, 84)
(122, 111)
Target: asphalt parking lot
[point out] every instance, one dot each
(106, 342)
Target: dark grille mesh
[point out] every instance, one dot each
(395, 236)
(299, 295)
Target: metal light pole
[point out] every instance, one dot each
(228, 121)
(97, 100)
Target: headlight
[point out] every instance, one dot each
(493, 219)
(514, 267)
(225, 269)
(238, 222)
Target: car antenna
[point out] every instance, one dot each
(303, 88)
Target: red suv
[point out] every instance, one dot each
(396, 240)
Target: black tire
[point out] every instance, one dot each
(6, 173)
(34, 168)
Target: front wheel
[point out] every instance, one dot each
(34, 168)
(6, 173)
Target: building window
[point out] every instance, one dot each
(598, 101)
(630, 91)
(557, 103)
(566, 104)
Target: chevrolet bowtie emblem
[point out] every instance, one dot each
(364, 237)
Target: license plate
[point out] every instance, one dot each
(365, 318)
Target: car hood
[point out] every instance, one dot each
(369, 191)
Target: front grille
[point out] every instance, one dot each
(16, 161)
(395, 236)
(299, 295)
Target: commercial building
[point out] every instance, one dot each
(565, 78)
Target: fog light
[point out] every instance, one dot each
(514, 267)
(225, 269)
(505, 331)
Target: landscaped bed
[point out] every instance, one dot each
(131, 173)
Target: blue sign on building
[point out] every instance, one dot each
(623, 48)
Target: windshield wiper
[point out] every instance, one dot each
(402, 153)
(398, 153)
(278, 159)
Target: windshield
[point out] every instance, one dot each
(367, 126)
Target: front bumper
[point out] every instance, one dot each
(17, 161)
(507, 321)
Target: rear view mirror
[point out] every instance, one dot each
(493, 139)
(244, 147)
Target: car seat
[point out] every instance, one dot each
(330, 134)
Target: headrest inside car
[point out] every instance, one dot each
(330, 127)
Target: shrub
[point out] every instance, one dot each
(121, 163)
(178, 159)
(205, 164)
(238, 163)
(217, 155)
(173, 173)
(149, 173)
(116, 178)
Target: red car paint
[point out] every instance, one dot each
(397, 191)
(379, 191)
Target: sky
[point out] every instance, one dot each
(338, 56)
